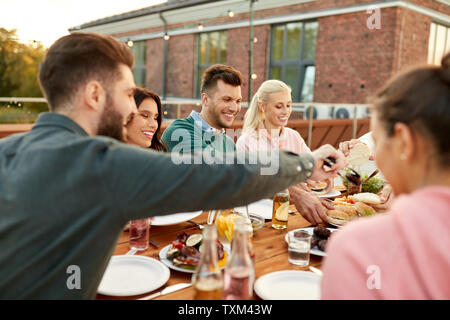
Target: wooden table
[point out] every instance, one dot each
(271, 252)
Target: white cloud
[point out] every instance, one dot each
(47, 20)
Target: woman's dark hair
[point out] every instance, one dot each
(420, 98)
(140, 94)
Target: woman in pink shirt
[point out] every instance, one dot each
(266, 119)
(265, 130)
(404, 254)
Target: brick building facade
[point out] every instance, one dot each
(347, 60)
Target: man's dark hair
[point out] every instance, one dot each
(75, 59)
(217, 72)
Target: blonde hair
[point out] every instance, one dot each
(253, 117)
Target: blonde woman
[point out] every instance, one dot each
(266, 119)
(265, 129)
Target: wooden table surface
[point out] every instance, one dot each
(271, 252)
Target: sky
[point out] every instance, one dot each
(47, 20)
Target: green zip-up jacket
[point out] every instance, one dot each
(65, 197)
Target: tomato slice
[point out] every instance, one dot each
(177, 244)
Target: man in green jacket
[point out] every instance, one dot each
(221, 102)
(66, 192)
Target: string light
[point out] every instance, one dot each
(255, 40)
(166, 36)
(200, 26)
(130, 43)
(254, 76)
(230, 13)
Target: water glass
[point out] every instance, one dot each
(139, 234)
(299, 245)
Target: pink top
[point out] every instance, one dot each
(289, 140)
(402, 255)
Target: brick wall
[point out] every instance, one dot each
(180, 66)
(352, 62)
(155, 65)
(412, 35)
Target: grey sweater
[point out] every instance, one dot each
(65, 197)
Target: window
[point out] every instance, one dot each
(212, 49)
(139, 70)
(293, 49)
(439, 43)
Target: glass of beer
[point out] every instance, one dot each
(280, 211)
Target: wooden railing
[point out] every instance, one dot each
(322, 132)
(8, 129)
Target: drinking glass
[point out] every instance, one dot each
(139, 234)
(299, 245)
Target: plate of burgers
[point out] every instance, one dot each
(320, 189)
(348, 208)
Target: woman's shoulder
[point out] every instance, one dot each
(292, 133)
(245, 140)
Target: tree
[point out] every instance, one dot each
(19, 64)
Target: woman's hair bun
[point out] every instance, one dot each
(445, 67)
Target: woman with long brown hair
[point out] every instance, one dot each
(143, 130)
(403, 254)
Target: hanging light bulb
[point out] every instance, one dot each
(230, 13)
(255, 40)
(130, 43)
(254, 76)
(166, 36)
(200, 26)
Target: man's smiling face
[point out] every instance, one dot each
(223, 103)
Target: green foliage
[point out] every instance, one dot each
(373, 185)
(19, 65)
(15, 114)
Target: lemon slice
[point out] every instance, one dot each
(282, 212)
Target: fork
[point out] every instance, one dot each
(196, 224)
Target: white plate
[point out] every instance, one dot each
(288, 285)
(335, 225)
(332, 194)
(133, 275)
(169, 263)
(175, 218)
(261, 207)
(315, 250)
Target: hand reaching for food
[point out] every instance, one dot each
(347, 146)
(327, 169)
(386, 198)
(308, 205)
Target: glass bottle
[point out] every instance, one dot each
(207, 279)
(239, 272)
(280, 212)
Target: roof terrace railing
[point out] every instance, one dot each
(175, 108)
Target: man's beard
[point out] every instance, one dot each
(111, 121)
(216, 118)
